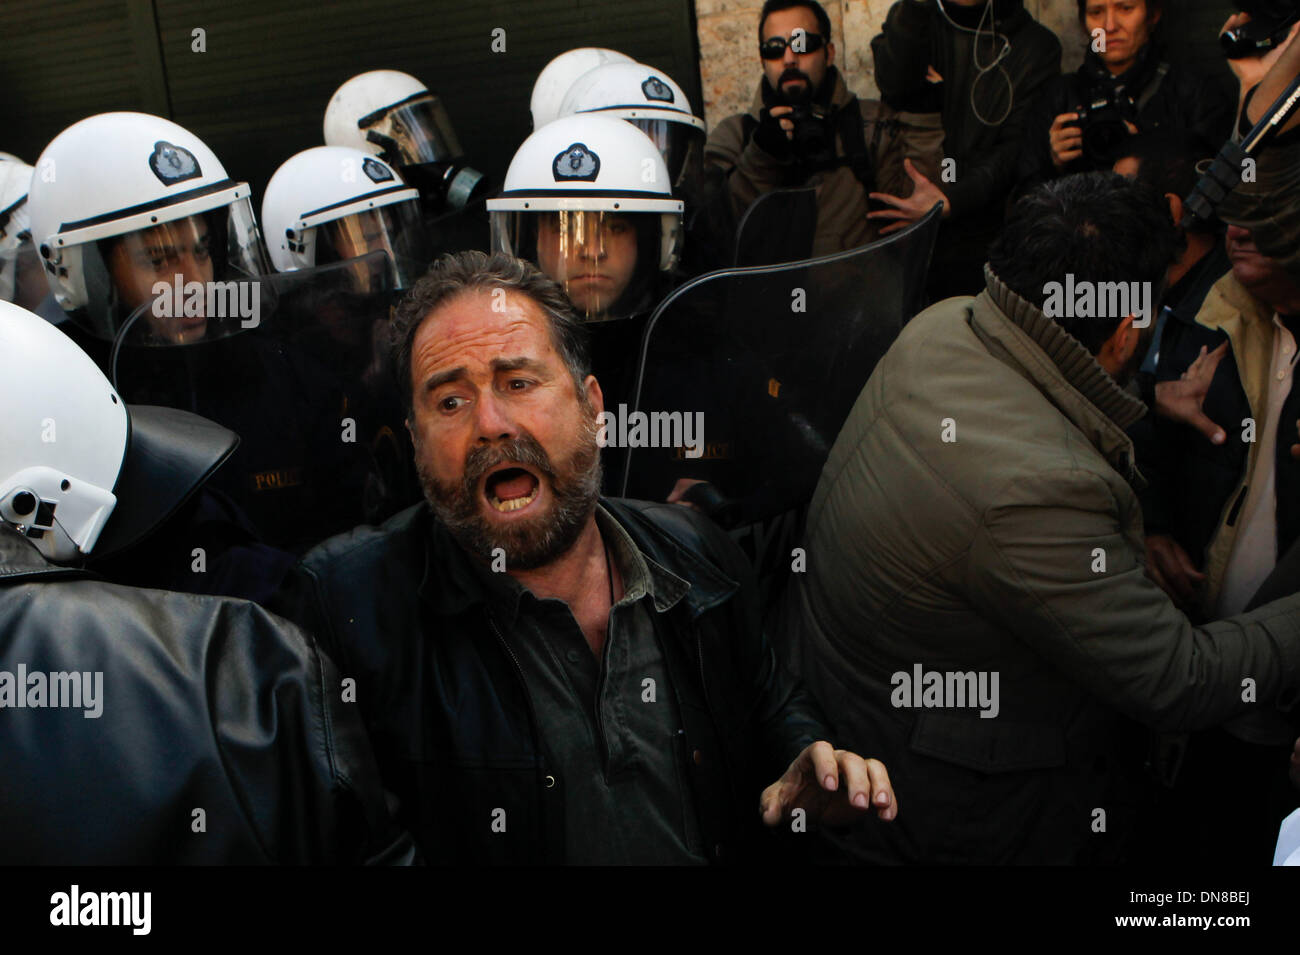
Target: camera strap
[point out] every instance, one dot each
(1152, 87)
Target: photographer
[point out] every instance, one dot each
(1081, 120)
(806, 129)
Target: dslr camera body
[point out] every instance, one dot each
(814, 140)
(1269, 22)
(1101, 117)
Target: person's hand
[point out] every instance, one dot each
(1181, 400)
(833, 786)
(680, 488)
(1065, 139)
(1251, 69)
(1172, 570)
(924, 195)
(775, 131)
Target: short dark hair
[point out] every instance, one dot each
(1153, 6)
(775, 6)
(1098, 226)
(1167, 162)
(458, 272)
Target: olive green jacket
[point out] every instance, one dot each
(978, 514)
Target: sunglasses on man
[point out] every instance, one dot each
(773, 48)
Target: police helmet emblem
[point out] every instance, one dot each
(376, 171)
(655, 88)
(576, 162)
(173, 164)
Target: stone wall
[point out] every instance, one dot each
(729, 64)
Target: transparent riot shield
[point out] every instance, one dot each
(779, 226)
(305, 384)
(746, 376)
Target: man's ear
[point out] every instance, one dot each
(1175, 206)
(830, 54)
(595, 397)
(1117, 350)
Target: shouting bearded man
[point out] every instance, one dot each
(549, 677)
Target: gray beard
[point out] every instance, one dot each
(531, 543)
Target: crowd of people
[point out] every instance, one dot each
(307, 518)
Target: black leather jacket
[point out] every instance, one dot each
(205, 703)
(450, 717)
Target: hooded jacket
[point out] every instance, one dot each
(842, 222)
(978, 515)
(170, 704)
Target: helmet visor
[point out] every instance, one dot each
(605, 260)
(682, 147)
(22, 276)
(415, 131)
(394, 229)
(183, 281)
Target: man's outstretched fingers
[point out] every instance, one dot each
(857, 779)
(882, 790)
(825, 768)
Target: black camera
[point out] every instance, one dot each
(1101, 117)
(1269, 22)
(812, 136)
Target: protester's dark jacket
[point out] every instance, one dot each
(1198, 488)
(1179, 98)
(207, 703)
(451, 719)
(916, 35)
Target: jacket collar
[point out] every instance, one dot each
(451, 583)
(20, 559)
(1248, 323)
(1022, 336)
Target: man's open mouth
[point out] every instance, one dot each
(511, 489)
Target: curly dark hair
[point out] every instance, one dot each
(457, 272)
(1098, 226)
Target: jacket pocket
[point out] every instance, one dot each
(988, 746)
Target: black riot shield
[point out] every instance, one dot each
(306, 386)
(746, 376)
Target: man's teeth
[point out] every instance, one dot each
(515, 503)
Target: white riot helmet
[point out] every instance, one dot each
(588, 200)
(649, 100)
(78, 470)
(334, 203)
(127, 200)
(22, 278)
(559, 74)
(393, 115)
